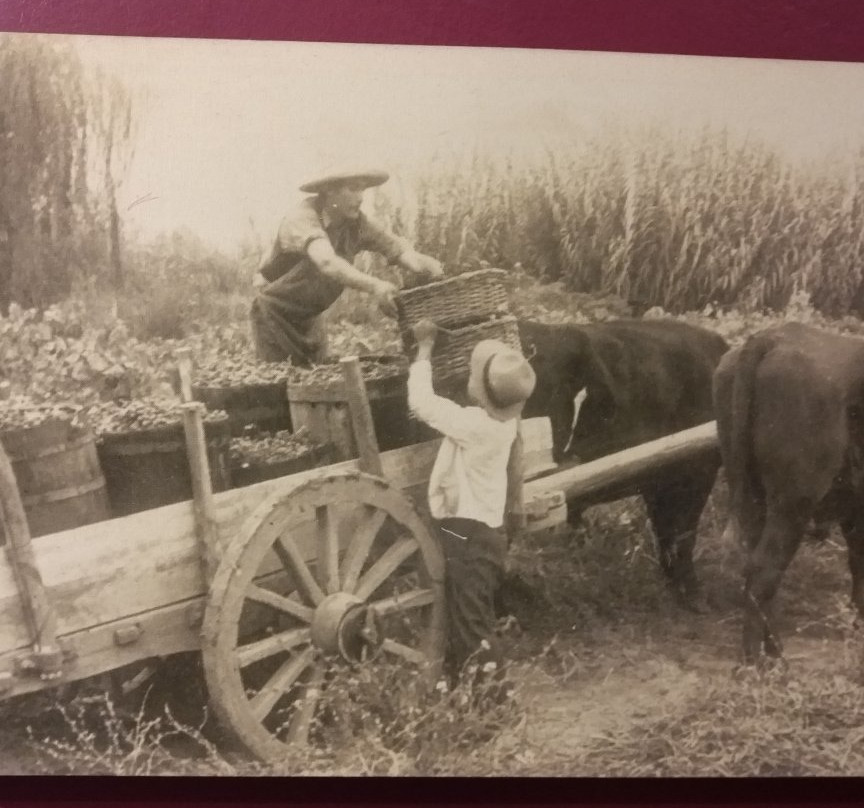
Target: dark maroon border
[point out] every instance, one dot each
(781, 29)
(784, 29)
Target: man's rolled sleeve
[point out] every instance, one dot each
(377, 239)
(299, 229)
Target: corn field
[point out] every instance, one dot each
(673, 220)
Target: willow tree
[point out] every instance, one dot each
(64, 140)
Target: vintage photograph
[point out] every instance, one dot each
(399, 410)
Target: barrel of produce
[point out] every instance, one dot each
(267, 456)
(142, 449)
(58, 474)
(251, 392)
(318, 402)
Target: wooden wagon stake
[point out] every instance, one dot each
(38, 610)
(206, 526)
(361, 417)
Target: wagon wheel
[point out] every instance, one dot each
(339, 574)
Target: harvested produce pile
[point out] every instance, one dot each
(373, 369)
(24, 413)
(111, 418)
(236, 371)
(273, 448)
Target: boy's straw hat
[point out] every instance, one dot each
(369, 179)
(501, 379)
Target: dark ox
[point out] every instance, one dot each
(790, 405)
(644, 379)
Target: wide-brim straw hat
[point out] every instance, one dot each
(501, 380)
(369, 179)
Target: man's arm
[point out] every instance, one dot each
(420, 264)
(322, 254)
(397, 250)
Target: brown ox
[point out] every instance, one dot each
(789, 407)
(609, 386)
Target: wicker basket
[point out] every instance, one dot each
(455, 302)
(452, 355)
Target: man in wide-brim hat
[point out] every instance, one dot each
(312, 262)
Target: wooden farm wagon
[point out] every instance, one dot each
(279, 585)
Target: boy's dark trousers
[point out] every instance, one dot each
(475, 556)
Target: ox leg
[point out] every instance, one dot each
(674, 509)
(853, 532)
(766, 564)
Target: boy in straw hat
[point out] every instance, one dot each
(312, 262)
(474, 479)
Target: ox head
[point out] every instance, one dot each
(574, 390)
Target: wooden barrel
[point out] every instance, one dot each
(264, 406)
(251, 473)
(322, 407)
(59, 476)
(150, 468)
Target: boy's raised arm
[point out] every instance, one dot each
(443, 415)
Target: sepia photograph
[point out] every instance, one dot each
(406, 410)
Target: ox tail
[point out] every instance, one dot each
(739, 461)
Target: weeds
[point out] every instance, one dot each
(95, 737)
(757, 725)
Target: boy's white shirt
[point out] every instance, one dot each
(469, 477)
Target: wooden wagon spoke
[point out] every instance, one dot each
(280, 602)
(293, 561)
(404, 651)
(328, 548)
(280, 683)
(361, 544)
(403, 601)
(298, 732)
(281, 542)
(385, 566)
(261, 649)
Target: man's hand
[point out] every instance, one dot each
(259, 281)
(385, 294)
(422, 264)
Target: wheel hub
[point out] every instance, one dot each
(346, 626)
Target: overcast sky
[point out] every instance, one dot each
(229, 129)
